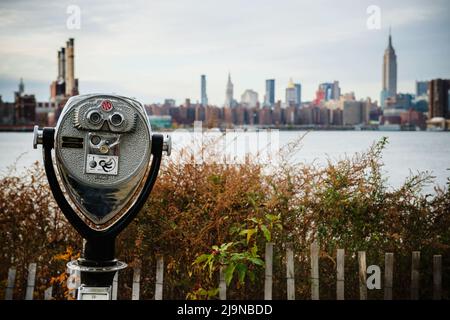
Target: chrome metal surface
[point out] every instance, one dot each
(74, 265)
(167, 144)
(94, 293)
(37, 137)
(102, 192)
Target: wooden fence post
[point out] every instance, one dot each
(290, 273)
(314, 271)
(222, 284)
(10, 285)
(415, 275)
(115, 286)
(437, 277)
(388, 275)
(73, 282)
(136, 283)
(362, 275)
(159, 278)
(31, 280)
(340, 274)
(48, 293)
(268, 257)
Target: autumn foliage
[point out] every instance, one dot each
(202, 217)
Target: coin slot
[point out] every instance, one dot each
(72, 145)
(72, 139)
(72, 142)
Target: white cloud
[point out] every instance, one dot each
(158, 49)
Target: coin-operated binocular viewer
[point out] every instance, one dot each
(104, 165)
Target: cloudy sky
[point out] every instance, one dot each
(152, 50)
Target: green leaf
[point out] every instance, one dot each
(243, 232)
(229, 273)
(225, 246)
(211, 267)
(201, 258)
(254, 250)
(237, 256)
(256, 261)
(249, 233)
(213, 292)
(266, 232)
(253, 220)
(251, 276)
(235, 229)
(241, 270)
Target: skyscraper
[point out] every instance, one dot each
(229, 93)
(439, 99)
(389, 72)
(204, 97)
(336, 92)
(422, 88)
(327, 89)
(355, 112)
(331, 90)
(298, 94)
(249, 98)
(21, 87)
(269, 98)
(291, 95)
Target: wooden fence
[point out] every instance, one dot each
(290, 278)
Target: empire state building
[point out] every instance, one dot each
(389, 73)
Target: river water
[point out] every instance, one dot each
(406, 151)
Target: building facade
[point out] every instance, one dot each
(439, 96)
(389, 88)
(298, 94)
(291, 95)
(422, 88)
(6, 112)
(249, 98)
(336, 93)
(204, 97)
(65, 85)
(331, 90)
(355, 112)
(269, 97)
(229, 93)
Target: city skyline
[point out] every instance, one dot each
(330, 108)
(169, 61)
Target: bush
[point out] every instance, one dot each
(205, 216)
(32, 229)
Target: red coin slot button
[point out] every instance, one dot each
(107, 105)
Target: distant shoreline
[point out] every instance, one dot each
(29, 128)
(24, 128)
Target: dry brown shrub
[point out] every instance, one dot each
(346, 204)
